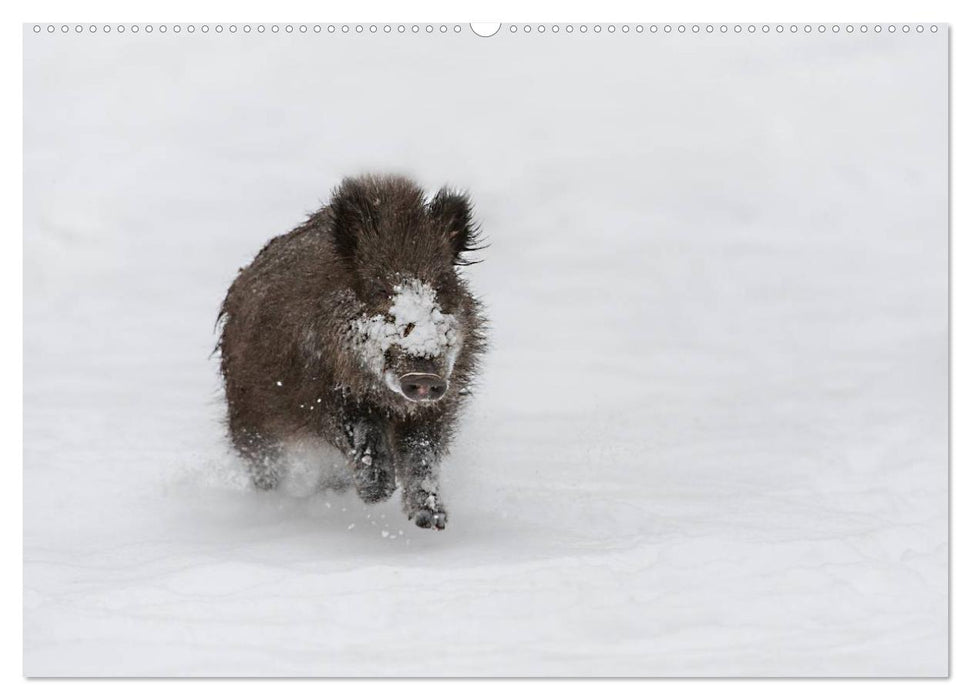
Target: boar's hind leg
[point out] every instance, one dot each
(372, 464)
(262, 459)
(419, 457)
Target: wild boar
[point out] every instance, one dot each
(357, 328)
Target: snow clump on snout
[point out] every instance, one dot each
(414, 323)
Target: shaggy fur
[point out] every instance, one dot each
(291, 361)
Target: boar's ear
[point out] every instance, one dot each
(453, 212)
(354, 213)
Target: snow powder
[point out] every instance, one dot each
(414, 323)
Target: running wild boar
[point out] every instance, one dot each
(357, 329)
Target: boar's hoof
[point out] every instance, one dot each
(428, 518)
(374, 484)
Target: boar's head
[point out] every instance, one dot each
(402, 252)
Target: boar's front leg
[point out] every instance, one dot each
(372, 463)
(420, 449)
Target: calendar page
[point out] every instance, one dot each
(546, 349)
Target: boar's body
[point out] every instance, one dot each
(356, 328)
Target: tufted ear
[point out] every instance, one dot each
(354, 214)
(452, 211)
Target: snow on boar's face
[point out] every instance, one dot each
(402, 254)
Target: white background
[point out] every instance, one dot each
(710, 439)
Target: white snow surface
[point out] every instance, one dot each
(414, 323)
(710, 437)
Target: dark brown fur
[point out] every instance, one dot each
(288, 359)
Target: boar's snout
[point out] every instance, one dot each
(421, 386)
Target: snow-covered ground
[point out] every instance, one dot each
(710, 438)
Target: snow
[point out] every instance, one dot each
(414, 323)
(421, 329)
(309, 467)
(710, 437)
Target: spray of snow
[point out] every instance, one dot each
(414, 323)
(310, 466)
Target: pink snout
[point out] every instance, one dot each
(420, 386)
